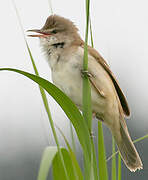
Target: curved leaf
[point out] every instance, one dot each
(51, 158)
(46, 162)
(58, 171)
(68, 107)
(77, 170)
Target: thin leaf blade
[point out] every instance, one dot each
(103, 173)
(113, 160)
(119, 167)
(58, 171)
(46, 162)
(77, 169)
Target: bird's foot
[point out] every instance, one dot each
(99, 117)
(85, 73)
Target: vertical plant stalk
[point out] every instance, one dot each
(94, 161)
(91, 35)
(113, 160)
(119, 167)
(87, 110)
(103, 173)
(95, 167)
(44, 98)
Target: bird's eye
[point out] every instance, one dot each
(54, 31)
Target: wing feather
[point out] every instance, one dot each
(121, 96)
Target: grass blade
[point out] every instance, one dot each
(51, 157)
(103, 173)
(87, 110)
(33, 63)
(94, 161)
(141, 138)
(77, 170)
(72, 138)
(119, 167)
(91, 35)
(58, 171)
(46, 162)
(113, 160)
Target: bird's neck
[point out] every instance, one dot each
(55, 50)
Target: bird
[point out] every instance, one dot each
(64, 51)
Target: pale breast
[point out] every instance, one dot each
(66, 75)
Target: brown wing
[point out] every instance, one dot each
(121, 96)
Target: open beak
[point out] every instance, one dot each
(40, 33)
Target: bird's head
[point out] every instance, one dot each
(57, 30)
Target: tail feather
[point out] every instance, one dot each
(128, 151)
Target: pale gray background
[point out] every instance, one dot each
(120, 31)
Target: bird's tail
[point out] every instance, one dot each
(127, 149)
